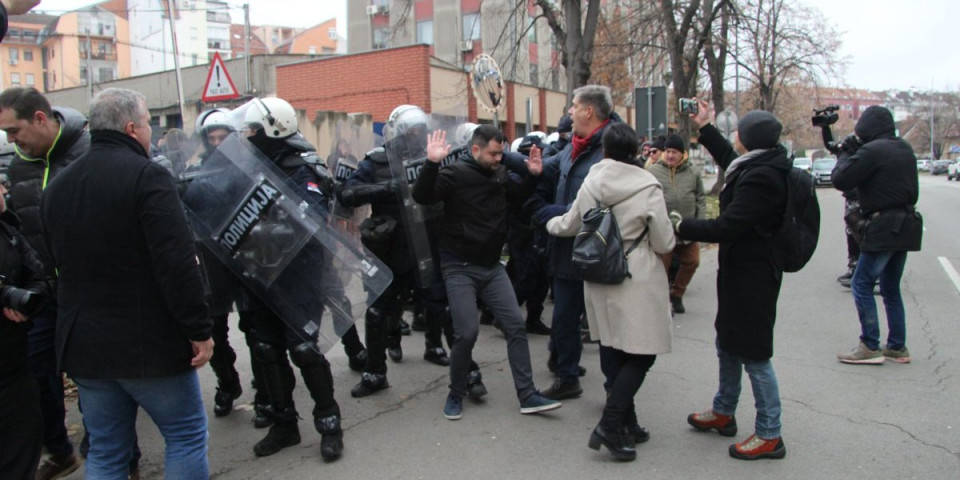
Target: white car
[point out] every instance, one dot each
(953, 171)
(803, 163)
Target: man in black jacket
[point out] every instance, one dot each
(884, 173)
(475, 193)
(752, 203)
(132, 325)
(562, 177)
(47, 139)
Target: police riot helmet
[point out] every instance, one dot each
(275, 116)
(464, 133)
(406, 130)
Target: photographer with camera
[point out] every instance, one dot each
(23, 291)
(882, 168)
(824, 118)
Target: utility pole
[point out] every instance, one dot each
(932, 152)
(89, 69)
(176, 57)
(246, 46)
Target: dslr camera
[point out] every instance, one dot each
(20, 299)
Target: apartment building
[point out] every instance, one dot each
(89, 45)
(318, 39)
(21, 55)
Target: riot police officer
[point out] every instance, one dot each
(385, 235)
(273, 130)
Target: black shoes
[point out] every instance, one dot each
(280, 436)
(437, 356)
(404, 328)
(535, 326)
(223, 399)
(640, 434)
(475, 387)
(260, 418)
(358, 361)
(370, 383)
(619, 443)
(562, 390)
(331, 437)
(395, 353)
(677, 304)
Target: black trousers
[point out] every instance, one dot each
(627, 372)
(21, 426)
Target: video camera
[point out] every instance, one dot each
(825, 117)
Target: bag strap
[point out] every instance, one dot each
(636, 242)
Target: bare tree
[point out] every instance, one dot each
(575, 33)
(785, 41)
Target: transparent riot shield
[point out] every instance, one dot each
(281, 247)
(406, 153)
(350, 143)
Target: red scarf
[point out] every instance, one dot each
(580, 144)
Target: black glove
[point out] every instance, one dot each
(850, 144)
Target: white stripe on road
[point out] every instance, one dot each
(951, 272)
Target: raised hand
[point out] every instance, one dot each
(437, 146)
(704, 116)
(535, 161)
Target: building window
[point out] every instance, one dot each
(471, 26)
(14, 78)
(28, 55)
(13, 33)
(380, 37)
(106, 74)
(30, 36)
(83, 76)
(312, 50)
(14, 55)
(31, 80)
(194, 33)
(534, 74)
(332, 33)
(532, 32)
(425, 32)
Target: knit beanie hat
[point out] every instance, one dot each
(759, 129)
(658, 143)
(675, 142)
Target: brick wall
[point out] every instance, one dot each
(373, 82)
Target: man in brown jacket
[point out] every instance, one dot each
(683, 192)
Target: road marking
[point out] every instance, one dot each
(951, 272)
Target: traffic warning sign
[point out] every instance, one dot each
(219, 85)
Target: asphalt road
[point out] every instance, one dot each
(839, 421)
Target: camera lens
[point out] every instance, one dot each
(21, 300)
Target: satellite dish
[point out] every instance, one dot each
(487, 83)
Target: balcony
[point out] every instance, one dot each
(98, 55)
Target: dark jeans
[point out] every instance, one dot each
(568, 307)
(887, 267)
(21, 432)
(465, 284)
(627, 371)
(43, 362)
(528, 272)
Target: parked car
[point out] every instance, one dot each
(803, 163)
(953, 171)
(939, 167)
(823, 170)
(923, 164)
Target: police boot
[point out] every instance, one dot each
(284, 433)
(535, 324)
(433, 337)
(419, 319)
(405, 329)
(275, 384)
(370, 383)
(475, 387)
(436, 356)
(394, 350)
(223, 399)
(331, 436)
(356, 353)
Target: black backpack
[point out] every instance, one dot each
(796, 239)
(598, 253)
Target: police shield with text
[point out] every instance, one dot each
(260, 205)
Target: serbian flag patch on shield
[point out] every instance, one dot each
(313, 187)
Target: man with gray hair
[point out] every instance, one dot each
(132, 325)
(562, 176)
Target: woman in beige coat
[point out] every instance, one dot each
(632, 319)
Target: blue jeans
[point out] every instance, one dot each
(465, 284)
(568, 307)
(888, 268)
(176, 407)
(766, 391)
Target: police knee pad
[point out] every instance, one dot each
(266, 352)
(304, 355)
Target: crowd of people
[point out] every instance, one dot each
(104, 277)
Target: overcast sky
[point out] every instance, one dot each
(890, 43)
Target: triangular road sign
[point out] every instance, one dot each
(219, 85)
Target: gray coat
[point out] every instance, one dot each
(682, 189)
(633, 316)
